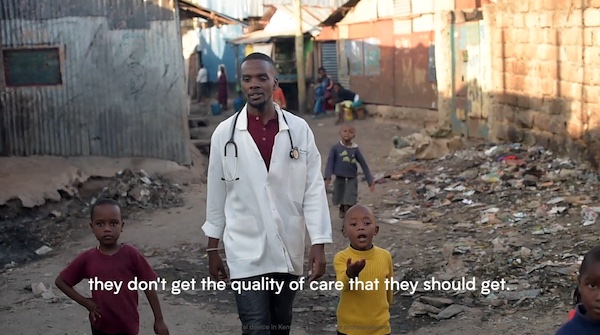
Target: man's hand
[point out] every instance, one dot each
(160, 327)
(216, 267)
(372, 187)
(353, 269)
(316, 262)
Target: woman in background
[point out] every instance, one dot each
(222, 87)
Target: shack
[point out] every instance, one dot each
(277, 39)
(94, 78)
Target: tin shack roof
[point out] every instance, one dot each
(279, 23)
(340, 13)
(191, 10)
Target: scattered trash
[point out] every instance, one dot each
(43, 250)
(141, 190)
(508, 212)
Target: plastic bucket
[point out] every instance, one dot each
(216, 109)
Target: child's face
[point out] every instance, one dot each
(107, 224)
(347, 133)
(589, 286)
(360, 227)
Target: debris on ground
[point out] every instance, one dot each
(27, 234)
(141, 190)
(507, 212)
(40, 290)
(425, 146)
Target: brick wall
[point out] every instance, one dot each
(546, 74)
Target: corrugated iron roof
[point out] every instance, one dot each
(243, 9)
(369, 10)
(191, 9)
(279, 24)
(340, 13)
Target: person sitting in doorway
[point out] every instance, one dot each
(344, 98)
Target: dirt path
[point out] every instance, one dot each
(172, 240)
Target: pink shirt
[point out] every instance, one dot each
(119, 311)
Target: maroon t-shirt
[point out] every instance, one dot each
(263, 135)
(119, 311)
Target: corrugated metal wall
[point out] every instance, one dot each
(329, 59)
(241, 9)
(402, 8)
(123, 91)
(343, 65)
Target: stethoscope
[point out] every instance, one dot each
(294, 152)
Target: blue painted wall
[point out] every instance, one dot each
(216, 51)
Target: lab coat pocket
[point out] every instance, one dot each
(243, 239)
(295, 236)
(297, 178)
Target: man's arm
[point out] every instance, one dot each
(316, 208)
(215, 191)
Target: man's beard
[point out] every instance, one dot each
(258, 106)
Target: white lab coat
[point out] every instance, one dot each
(262, 217)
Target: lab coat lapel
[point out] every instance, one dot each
(247, 140)
(281, 146)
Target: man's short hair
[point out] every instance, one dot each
(259, 56)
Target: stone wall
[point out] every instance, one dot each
(546, 74)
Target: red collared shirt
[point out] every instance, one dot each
(263, 135)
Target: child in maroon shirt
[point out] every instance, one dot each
(114, 311)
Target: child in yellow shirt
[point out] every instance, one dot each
(363, 310)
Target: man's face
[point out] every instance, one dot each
(321, 73)
(258, 82)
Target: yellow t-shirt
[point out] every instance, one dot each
(365, 310)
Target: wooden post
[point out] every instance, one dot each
(300, 64)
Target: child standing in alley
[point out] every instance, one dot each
(363, 312)
(587, 298)
(111, 313)
(342, 162)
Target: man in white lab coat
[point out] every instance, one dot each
(265, 190)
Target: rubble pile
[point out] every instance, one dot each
(143, 191)
(494, 212)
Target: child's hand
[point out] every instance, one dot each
(93, 308)
(353, 269)
(160, 327)
(372, 187)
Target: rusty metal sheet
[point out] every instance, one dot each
(412, 84)
(374, 84)
(130, 13)
(118, 96)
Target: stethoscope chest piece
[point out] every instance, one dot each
(295, 153)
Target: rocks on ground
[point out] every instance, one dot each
(26, 234)
(492, 212)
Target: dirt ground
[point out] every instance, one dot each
(173, 241)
